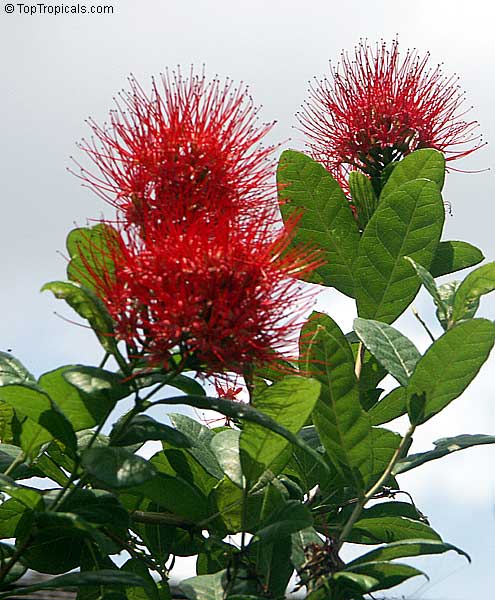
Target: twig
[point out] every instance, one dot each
(416, 314)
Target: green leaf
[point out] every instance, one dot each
(454, 256)
(117, 467)
(425, 163)
(29, 497)
(204, 587)
(289, 518)
(83, 409)
(387, 574)
(343, 426)
(97, 506)
(12, 371)
(383, 529)
(17, 571)
(148, 377)
(289, 402)
(76, 580)
(458, 356)
(141, 592)
(143, 428)
(248, 414)
(225, 447)
(90, 250)
(443, 447)
(406, 548)
(200, 438)
(393, 350)
(15, 519)
(479, 282)
(390, 407)
(407, 222)
(363, 197)
(300, 540)
(327, 222)
(90, 307)
(426, 279)
(384, 444)
(38, 406)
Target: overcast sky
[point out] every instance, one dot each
(57, 70)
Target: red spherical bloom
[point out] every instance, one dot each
(377, 108)
(222, 297)
(188, 150)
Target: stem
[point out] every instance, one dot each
(104, 360)
(19, 459)
(425, 326)
(5, 570)
(359, 360)
(158, 518)
(374, 489)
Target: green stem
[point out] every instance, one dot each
(374, 489)
(425, 326)
(19, 459)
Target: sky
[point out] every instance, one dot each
(56, 70)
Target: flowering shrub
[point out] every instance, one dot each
(199, 284)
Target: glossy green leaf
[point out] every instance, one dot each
(200, 438)
(15, 518)
(384, 443)
(289, 402)
(148, 377)
(84, 409)
(425, 163)
(289, 518)
(443, 447)
(116, 467)
(97, 506)
(387, 574)
(327, 222)
(76, 580)
(383, 529)
(454, 256)
(13, 371)
(390, 347)
(407, 222)
(406, 548)
(143, 428)
(27, 496)
(390, 407)
(38, 406)
(343, 426)
(141, 592)
(225, 447)
(479, 282)
(458, 356)
(89, 306)
(248, 414)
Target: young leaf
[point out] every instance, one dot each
(458, 356)
(479, 282)
(393, 350)
(289, 402)
(443, 447)
(90, 253)
(204, 587)
(454, 256)
(425, 163)
(117, 467)
(89, 306)
(343, 426)
(407, 222)
(327, 222)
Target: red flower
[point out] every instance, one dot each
(190, 150)
(377, 108)
(223, 297)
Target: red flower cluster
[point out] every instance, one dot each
(191, 152)
(201, 267)
(377, 108)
